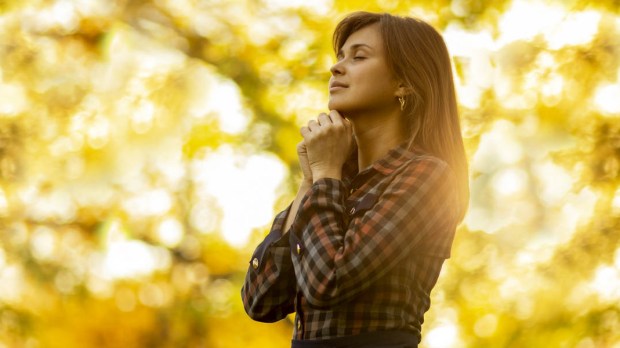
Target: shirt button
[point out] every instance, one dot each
(351, 191)
(255, 263)
(352, 211)
(298, 324)
(298, 249)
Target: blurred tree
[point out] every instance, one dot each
(130, 130)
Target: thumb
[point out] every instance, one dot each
(301, 146)
(348, 125)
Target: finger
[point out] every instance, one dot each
(336, 118)
(301, 146)
(304, 131)
(313, 125)
(324, 119)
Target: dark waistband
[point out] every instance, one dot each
(368, 339)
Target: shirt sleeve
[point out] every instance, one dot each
(269, 289)
(416, 213)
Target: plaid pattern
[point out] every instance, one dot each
(363, 252)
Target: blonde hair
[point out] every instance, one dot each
(417, 55)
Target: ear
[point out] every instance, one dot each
(403, 90)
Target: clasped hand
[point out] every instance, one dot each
(327, 143)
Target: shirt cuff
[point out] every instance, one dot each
(274, 238)
(326, 193)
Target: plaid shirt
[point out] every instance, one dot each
(363, 253)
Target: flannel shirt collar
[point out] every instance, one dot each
(393, 159)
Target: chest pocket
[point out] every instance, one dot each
(359, 207)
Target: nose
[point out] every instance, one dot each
(337, 68)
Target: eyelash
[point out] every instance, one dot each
(354, 58)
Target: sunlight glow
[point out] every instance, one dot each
(125, 258)
(4, 204)
(552, 21)
(204, 216)
(43, 243)
(225, 101)
(142, 118)
(63, 145)
(546, 60)
(443, 336)
(170, 232)
(501, 175)
(575, 29)
(64, 13)
(554, 182)
(462, 43)
(552, 89)
(510, 181)
(61, 15)
(607, 99)
(304, 102)
(615, 203)
(523, 101)
(492, 218)
(469, 96)
(540, 18)
(244, 187)
(577, 209)
(510, 288)
(150, 203)
(57, 205)
(478, 72)
(13, 99)
(606, 283)
(498, 147)
(319, 7)
(12, 280)
(98, 132)
(133, 258)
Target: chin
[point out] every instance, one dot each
(338, 106)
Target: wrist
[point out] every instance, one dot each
(305, 184)
(333, 174)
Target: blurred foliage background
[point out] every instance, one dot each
(145, 147)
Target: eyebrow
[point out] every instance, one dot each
(353, 48)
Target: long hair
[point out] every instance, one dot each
(417, 55)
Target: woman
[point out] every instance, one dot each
(385, 184)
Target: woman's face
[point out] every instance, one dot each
(361, 81)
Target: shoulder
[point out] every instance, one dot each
(423, 167)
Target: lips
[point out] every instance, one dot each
(335, 85)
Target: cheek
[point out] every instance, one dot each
(376, 88)
(376, 79)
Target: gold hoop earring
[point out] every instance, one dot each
(401, 100)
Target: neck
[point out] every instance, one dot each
(376, 135)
